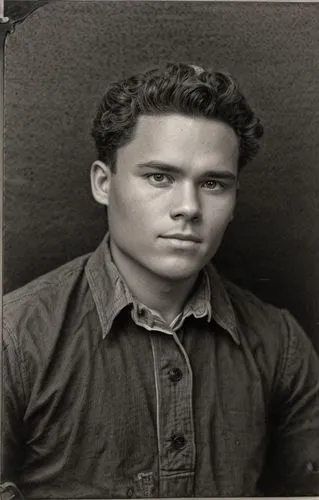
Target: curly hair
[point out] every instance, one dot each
(175, 88)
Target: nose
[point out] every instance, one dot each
(186, 204)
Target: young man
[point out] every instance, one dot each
(137, 371)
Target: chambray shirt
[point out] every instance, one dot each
(103, 399)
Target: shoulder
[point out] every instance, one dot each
(250, 309)
(39, 302)
(48, 282)
(271, 334)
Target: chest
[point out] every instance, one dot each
(141, 401)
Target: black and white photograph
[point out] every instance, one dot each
(160, 249)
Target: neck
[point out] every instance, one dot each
(167, 297)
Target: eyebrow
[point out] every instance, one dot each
(173, 169)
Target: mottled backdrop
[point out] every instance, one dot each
(58, 62)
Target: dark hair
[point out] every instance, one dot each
(176, 88)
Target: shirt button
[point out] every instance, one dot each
(175, 374)
(178, 441)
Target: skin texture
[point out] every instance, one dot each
(178, 174)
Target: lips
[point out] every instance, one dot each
(183, 237)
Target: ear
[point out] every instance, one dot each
(101, 182)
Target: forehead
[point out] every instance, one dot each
(181, 140)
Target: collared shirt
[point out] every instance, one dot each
(198, 305)
(101, 399)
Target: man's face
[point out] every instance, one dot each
(173, 194)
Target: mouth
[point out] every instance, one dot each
(187, 237)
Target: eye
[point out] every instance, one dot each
(159, 179)
(213, 185)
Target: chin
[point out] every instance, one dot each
(177, 274)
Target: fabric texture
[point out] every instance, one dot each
(99, 405)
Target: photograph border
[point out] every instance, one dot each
(7, 25)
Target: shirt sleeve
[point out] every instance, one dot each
(13, 404)
(293, 459)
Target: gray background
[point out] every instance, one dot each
(57, 65)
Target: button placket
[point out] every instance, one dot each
(175, 419)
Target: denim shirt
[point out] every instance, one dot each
(102, 399)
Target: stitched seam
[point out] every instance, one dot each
(286, 353)
(190, 400)
(177, 474)
(157, 406)
(20, 357)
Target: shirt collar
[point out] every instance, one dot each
(222, 309)
(198, 305)
(111, 295)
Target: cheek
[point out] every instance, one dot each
(125, 211)
(220, 214)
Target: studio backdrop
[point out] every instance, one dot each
(58, 63)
